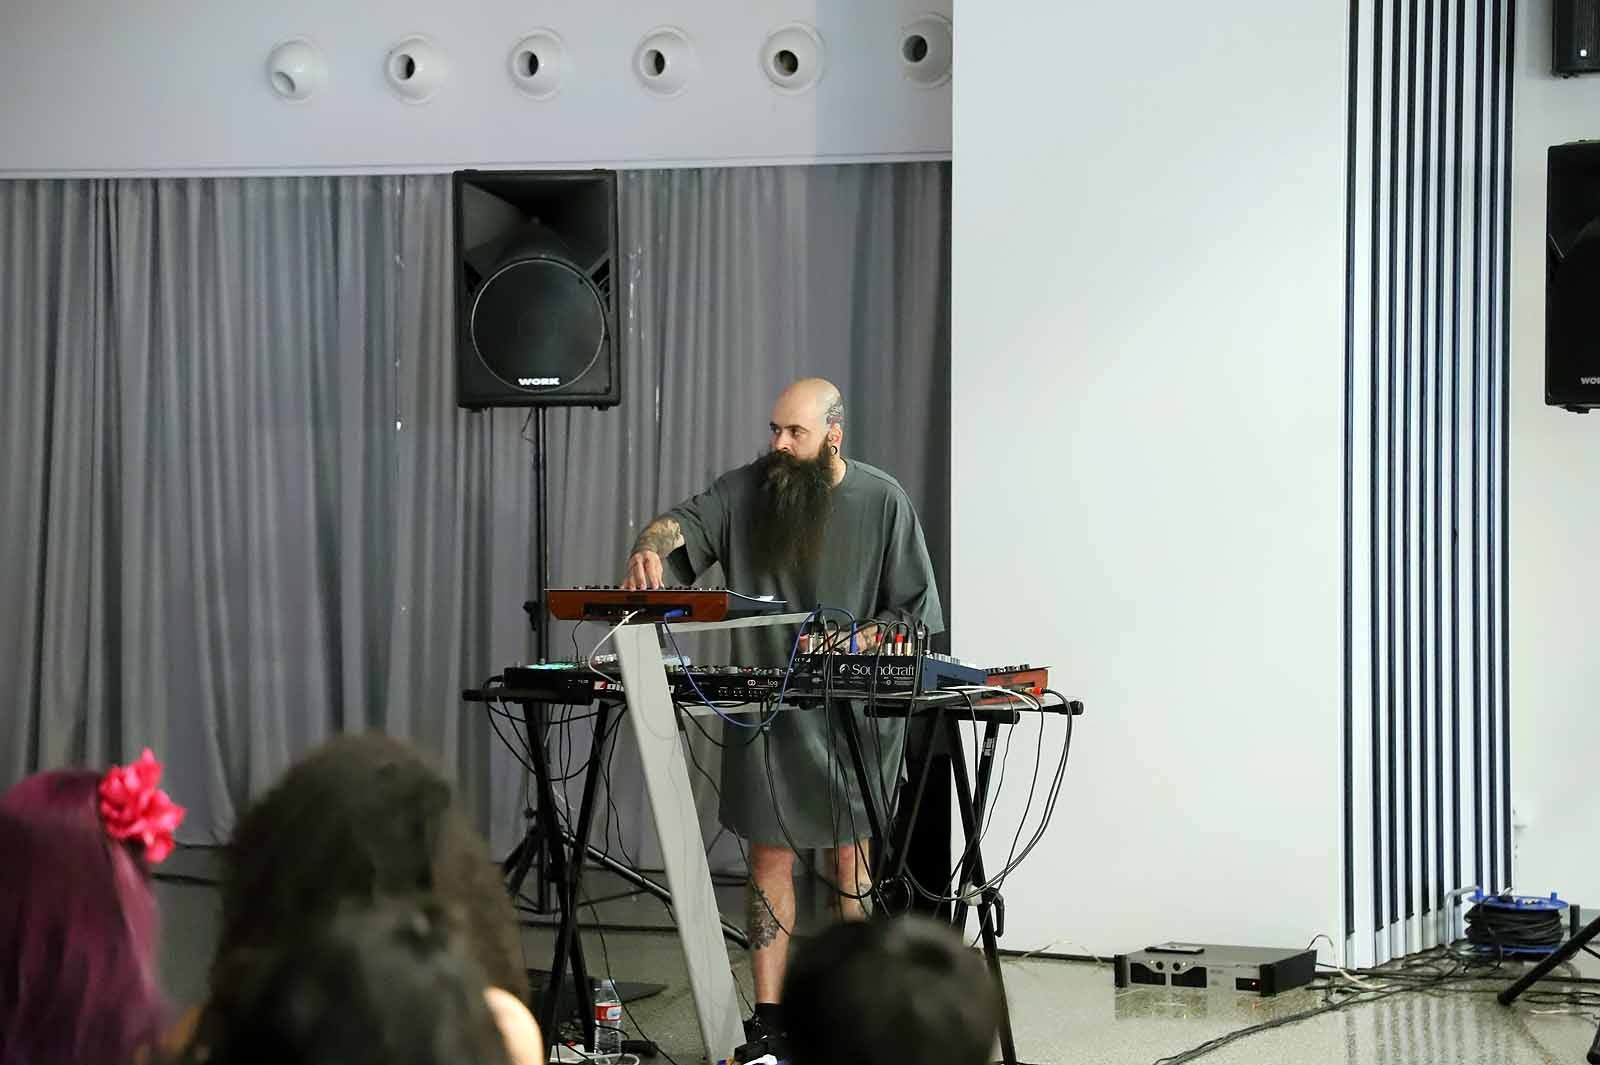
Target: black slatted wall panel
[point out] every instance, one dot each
(1426, 725)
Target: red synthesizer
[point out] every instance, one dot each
(605, 602)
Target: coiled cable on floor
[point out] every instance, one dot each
(1508, 924)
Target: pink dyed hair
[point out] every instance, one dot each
(78, 925)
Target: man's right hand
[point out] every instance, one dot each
(644, 572)
(661, 537)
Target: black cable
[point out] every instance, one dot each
(613, 811)
(611, 730)
(1005, 759)
(594, 912)
(1054, 796)
(599, 930)
(901, 771)
(605, 956)
(975, 844)
(516, 753)
(766, 750)
(568, 719)
(833, 813)
(499, 710)
(1294, 1018)
(1420, 974)
(874, 890)
(1015, 860)
(519, 749)
(679, 707)
(1033, 787)
(717, 791)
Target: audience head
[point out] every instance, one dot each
(902, 990)
(78, 919)
(360, 820)
(388, 984)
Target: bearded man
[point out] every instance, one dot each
(804, 524)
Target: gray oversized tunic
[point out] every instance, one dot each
(874, 564)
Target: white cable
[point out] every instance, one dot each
(992, 690)
(561, 1054)
(1339, 962)
(589, 659)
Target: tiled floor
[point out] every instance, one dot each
(1064, 1013)
(1068, 1013)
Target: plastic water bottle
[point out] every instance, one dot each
(607, 1021)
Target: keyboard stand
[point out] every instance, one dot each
(677, 821)
(938, 713)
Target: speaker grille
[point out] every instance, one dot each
(535, 310)
(539, 325)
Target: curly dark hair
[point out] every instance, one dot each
(361, 819)
(388, 984)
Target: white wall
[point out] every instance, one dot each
(1555, 520)
(167, 86)
(1148, 285)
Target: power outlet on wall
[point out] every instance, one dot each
(1520, 820)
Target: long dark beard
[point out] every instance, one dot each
(794, 501)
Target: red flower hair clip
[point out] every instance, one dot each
(134, 808)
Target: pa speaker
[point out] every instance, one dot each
(536, 314)
(1577, 36)
(1572, 277)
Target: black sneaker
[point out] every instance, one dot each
(762, 1037)
(762, 1026)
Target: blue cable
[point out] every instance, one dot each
(783, 690)
(788, 672)
(683, 663)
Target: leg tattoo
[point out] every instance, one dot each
(763, 926)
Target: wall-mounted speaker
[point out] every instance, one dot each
(1572, 277)
(536, 313)
(1577, 36)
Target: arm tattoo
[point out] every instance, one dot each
(663, 536)
(763, 923)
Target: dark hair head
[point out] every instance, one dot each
(377, 985)
(900, 990)
(78, 976)
(361, 819)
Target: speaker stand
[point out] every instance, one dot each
(545, 846)
(533, 854)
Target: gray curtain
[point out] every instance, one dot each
(240, 512)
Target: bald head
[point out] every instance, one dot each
(820, 394)
(808, 415)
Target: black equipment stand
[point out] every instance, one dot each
(939, 712)
(1580, 941)
(642, 883)
(566, 857)
(568, 870)
(989, 909)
